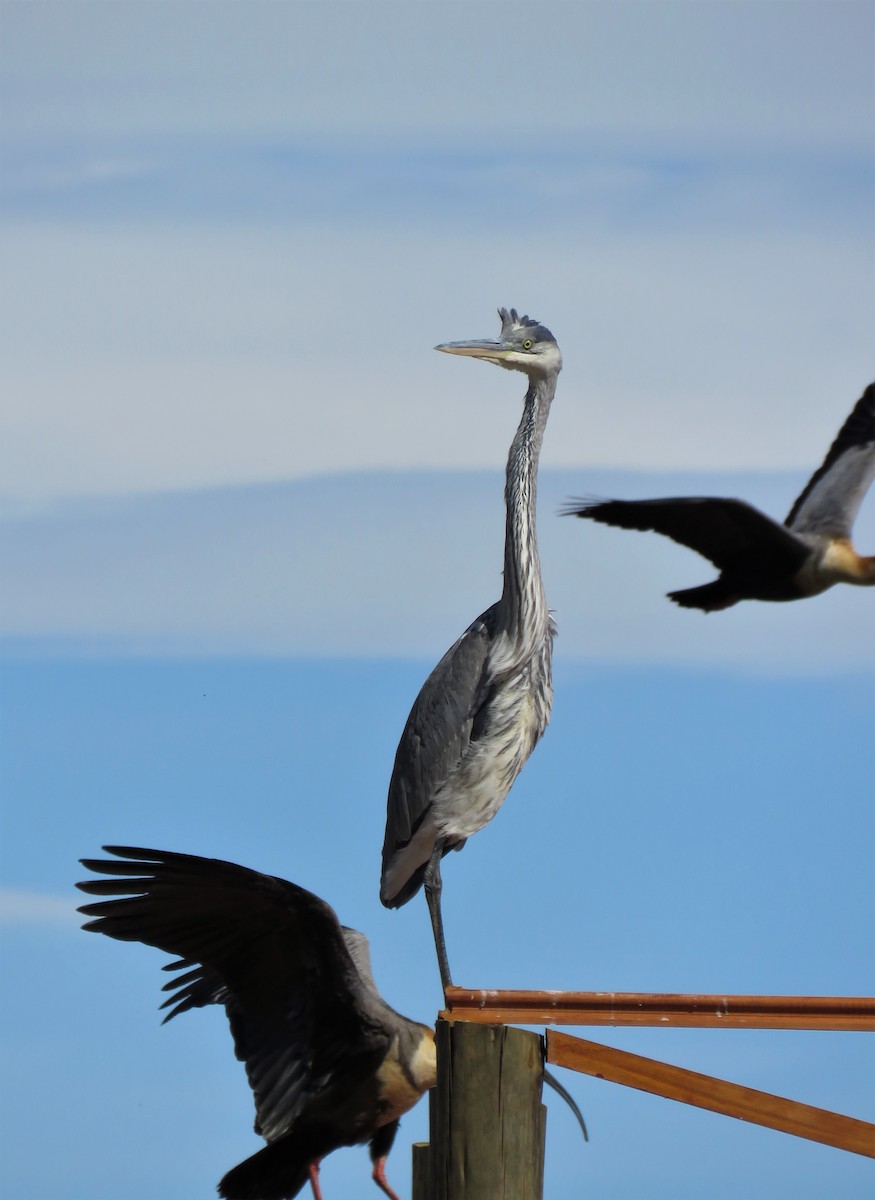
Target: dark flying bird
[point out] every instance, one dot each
(329, 1062)
(758, 558)
(485, 705)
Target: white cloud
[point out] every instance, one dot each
(141, 361)
(221, 267)
(778, 71)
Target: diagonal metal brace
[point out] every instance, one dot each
(706, 1091)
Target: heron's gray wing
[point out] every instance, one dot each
(726, 532)
(831, 499)
(271, 952)
(435, 738)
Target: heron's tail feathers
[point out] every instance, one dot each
(407, 891)
(710, 597)
(278, 1172)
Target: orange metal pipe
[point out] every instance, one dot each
(655, 1009)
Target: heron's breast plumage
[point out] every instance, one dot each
(509, 726)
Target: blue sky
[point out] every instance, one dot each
(245, 507)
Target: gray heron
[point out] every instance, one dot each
(483, 708)
(329, 1062)
(759, 559)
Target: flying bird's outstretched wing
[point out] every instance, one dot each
(726, 532)
(274, 954)
(830, 501)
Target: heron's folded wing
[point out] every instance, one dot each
(437, 733)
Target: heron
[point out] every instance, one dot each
(486, 704)
(759, 559)
(329, 1062)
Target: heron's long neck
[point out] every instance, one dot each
(524, 605)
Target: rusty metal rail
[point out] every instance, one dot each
(660, 1009)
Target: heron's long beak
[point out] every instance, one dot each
(491, 351)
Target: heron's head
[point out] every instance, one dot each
(523, 345)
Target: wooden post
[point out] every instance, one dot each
(421, 1182)
(487, 1122)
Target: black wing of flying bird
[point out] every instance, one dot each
(727, 532)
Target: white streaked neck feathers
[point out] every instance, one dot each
(524, 605)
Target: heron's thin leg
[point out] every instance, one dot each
(433, 886)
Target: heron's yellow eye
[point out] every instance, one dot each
(527, 344)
